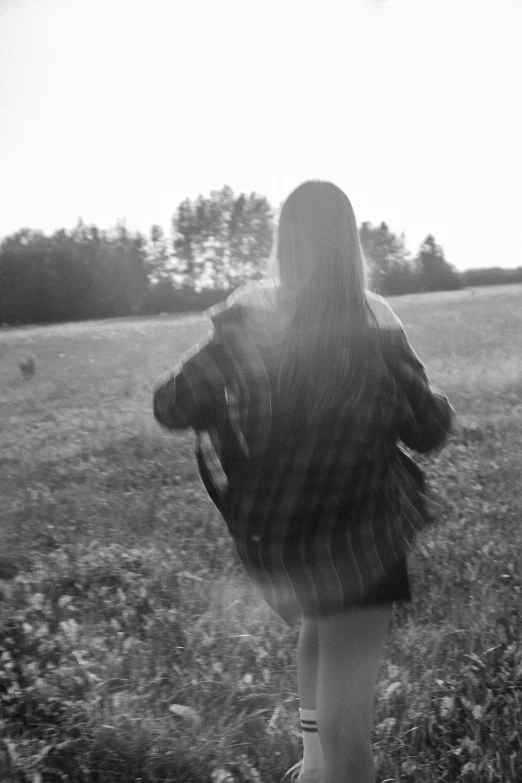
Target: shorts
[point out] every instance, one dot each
(394, 588)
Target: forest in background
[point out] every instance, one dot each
(215, 244)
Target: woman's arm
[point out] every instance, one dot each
(428, 417)
(174, 405)
(187, 397)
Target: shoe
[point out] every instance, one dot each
(294, 775)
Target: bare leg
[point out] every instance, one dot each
(351, 646)
(307, 659)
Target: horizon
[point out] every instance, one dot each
(104, 108)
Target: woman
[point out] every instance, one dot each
(299, 399)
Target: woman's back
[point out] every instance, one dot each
(299, 401)
(293, 492)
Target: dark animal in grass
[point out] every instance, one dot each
(27, 366)
(8, 569)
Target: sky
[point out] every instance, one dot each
(116, 109)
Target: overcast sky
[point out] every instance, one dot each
(119, 109)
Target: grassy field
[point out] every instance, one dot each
(132, 646)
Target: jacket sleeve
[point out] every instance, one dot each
(427, 416)
(187, 396)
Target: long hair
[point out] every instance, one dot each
(330, 351)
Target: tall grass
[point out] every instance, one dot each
(133, 647)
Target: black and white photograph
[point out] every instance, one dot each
(260, 391)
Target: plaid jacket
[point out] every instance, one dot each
(318, 515)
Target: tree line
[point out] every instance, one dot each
(215, 243)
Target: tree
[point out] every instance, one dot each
(27, 278)
(160, 261)
(221, 241)
(84, 247)
(185, 242)
(391, 270)
(435, 273)
(492, 275)
(251, 233)
(126, 280)
(83, 273)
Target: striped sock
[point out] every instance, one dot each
(313, 755)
